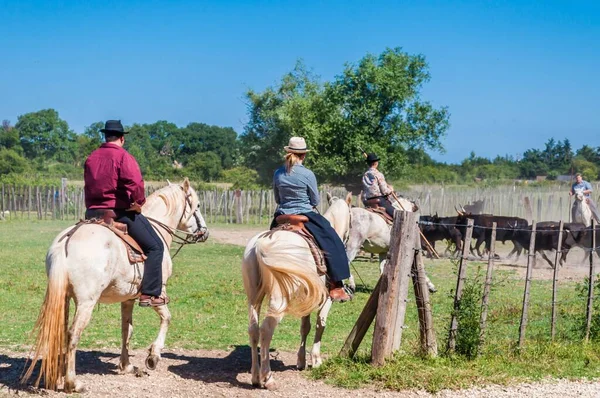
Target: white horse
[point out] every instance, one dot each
(97, 270)
(582, 213)
(279, 266)
(370, 232)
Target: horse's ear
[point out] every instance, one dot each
(169, 182)
(329, 197)
(349, 198)
(186, 184)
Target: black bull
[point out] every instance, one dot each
(436, 228)
(547, 234)
(506, 229)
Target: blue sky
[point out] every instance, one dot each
(512, 73)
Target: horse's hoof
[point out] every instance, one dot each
(76, 387)
(271, 385)
(79, 387)
(300, 366)
(256, 384)
(128, 369)
(152, 362)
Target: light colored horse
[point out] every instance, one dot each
(279, 266)
(97, 270)
(368, 231)
(582, 213)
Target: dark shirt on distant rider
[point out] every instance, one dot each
(112, 179)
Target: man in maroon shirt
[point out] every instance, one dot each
(113, 181)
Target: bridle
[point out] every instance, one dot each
(199, 235)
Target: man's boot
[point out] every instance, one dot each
(337, 292)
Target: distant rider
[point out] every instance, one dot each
(375, 186)
(296, 192)
(582, 185)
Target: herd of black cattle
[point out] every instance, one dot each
(514, 229)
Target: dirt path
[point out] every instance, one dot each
(184, 373)
(239, 237)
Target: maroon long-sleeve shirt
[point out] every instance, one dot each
(112, 179)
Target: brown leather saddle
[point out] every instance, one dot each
(134, 251)
(295, 223)
(373, 205)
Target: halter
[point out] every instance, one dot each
(197, 236)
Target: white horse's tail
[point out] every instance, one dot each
(283, 273)
(51, 325)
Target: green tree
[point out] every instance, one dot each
(45, 136)
(11, 162)
(197, 138)
(374, 105)
(206, 167)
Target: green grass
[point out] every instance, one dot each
(209, 311)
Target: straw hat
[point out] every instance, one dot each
(296, 145)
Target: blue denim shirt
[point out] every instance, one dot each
(583, 186)
(296, 192)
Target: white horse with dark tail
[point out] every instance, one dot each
(97, 270)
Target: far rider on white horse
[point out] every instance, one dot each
(296, 192)
(114, 185)
(375, 187)
(586, 188)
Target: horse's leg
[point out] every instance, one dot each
(159, 343)
(126, 332)
(321, 322)
(353, 245)
(382, 262)
(254, 335)
(266, 335)
(83, 313)
(304, 330)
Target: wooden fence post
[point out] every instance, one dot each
(462, 272)
(238, 206)
(487, 287)
(557, 258)
(422, 298)
(530, 264)
(591, 280)
(394, 287)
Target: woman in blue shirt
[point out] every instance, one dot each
(296, 192)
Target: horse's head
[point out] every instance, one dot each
(191, 219)
(579, 194)
(338, 214)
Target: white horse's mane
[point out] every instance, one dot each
(169, 195)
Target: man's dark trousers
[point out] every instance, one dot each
(144, 234)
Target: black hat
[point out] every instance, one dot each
(113, 127)
(371, 157)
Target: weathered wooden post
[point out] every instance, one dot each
(557, 257)
(460, 282)
(238, 206)
(591, 280)
(530, 264)
(487, 287)
(422, 298)
(394, 287)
